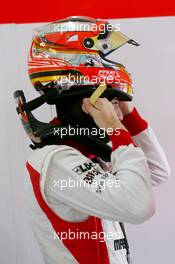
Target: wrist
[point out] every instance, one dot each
(134, 123)
(115, 125)
(118, 125)
(120, 138)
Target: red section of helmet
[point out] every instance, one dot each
(53, 57)
(62, 41)
(92, 74)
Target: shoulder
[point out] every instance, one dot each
(39, 157)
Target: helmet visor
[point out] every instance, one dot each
(117, 39)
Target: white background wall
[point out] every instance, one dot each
(153, 69)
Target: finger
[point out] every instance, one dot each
(101, 103)
(97, 93)
(84, 109)
(90, 109)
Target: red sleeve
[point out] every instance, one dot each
(120, 138)
(134, 123)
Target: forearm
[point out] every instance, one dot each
(144, 137)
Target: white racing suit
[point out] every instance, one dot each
(77, 204)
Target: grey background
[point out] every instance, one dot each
(152, 66)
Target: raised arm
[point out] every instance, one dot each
(144, 137)
(124, 195)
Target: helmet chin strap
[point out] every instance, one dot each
(42, 134)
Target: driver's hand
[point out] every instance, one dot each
(103, 113)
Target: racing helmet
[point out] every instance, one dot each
(67, 62)
(71, 53)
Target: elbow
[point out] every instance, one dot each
(144, 211)
(145, 214)
(161, 175)
(166, 172)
